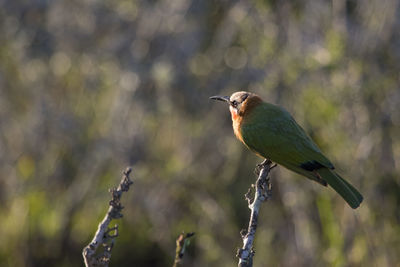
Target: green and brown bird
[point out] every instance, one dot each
(272, 133)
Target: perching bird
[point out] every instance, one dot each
(272, 133)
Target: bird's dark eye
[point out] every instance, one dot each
(234, 103)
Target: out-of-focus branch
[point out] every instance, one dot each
(181, 243)
(262, 193)
(105, 236)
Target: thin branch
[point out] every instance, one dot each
(182, 242)
(105, 236)
(262, 193)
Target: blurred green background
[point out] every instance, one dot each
(89, 87)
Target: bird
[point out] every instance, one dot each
(272, 133)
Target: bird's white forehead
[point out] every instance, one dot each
(239, 96)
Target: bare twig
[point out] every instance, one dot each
(181, 243)
(262, 193)
(105, 236)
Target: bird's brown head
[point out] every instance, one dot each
(240, 103)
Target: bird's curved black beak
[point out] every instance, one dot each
(221, 98)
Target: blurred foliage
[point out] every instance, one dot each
(89, 87)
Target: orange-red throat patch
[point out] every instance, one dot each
(236, 122)
(234, 113)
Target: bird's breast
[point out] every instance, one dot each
(236, 123)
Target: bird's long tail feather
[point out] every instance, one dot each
(340, 185)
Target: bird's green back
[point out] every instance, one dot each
(270, 131)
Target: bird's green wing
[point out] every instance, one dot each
(271, 131)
